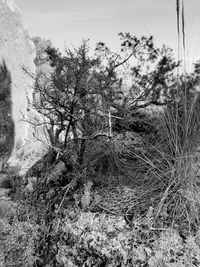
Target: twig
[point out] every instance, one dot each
(71, 185)
(158, 229)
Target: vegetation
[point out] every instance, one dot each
(6, 123)
(83, 99)
(119, 185)
(120, 181)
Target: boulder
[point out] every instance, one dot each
(7, 208)
(18, 51)
(3, 195)
(57, 172)
(4, 181)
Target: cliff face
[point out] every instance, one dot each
(6, 122)
(17, 50)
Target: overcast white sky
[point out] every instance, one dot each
(69, 21)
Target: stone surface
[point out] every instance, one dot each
(31, 183)
(4, 181)
(4, 194)
(17, 50)
(7, 208)
(56, 172)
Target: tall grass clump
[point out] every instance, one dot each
(169, 165)
(180, 138)
(170, 182)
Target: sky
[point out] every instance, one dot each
(68, 22)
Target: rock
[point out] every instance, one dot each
(27, 156)
(4, 181)
(43, 67)
(1, 164)
(56, 172)
(4, 194)
(43, 165)
(30, 186)
(17, 50)
(7, 208)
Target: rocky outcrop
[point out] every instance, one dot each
(18, 51)
(6, 121)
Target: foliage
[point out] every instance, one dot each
(151, 70)
(168, 165)
(72, 101)
(83, 98)
(35, 208)
(79, 236)
(121, 200)
(6, 123)
(17, 242)
(93, 240)
(41, 45)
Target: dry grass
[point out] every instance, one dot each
(171, 180)
(164, 175)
